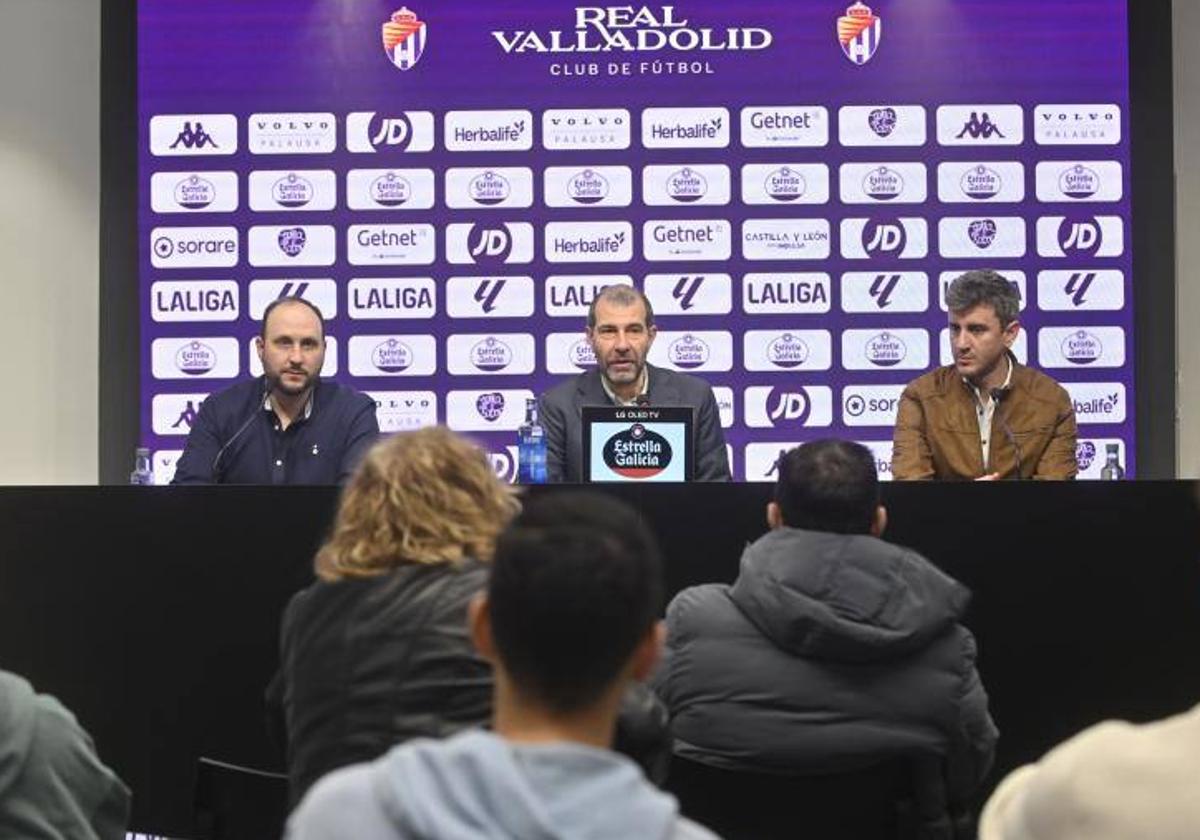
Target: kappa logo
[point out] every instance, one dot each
(404, 37)
(882, 288)
(859, 32)
(685, 290)
(980, 128)
(194, 138)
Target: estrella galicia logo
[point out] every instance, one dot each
(490, 406)
(637, 452)
(686, 185)
(1079, 181)
(404, 38)
(489, 245)
(1082, 235)
(787, 351)
(885, 350)
(587, 187)
(195, 358)
(292, 241)
(392, 356)
(195, 193)
(882, 121)
(884, 236)
(883, 183)
(489, 188)
(292, 191)
(390, 190)
(981, 183)
(1082, 348)
(982, 232)
(582, 355)
(859, 32)
(491, 355)
(688, 352)
(1085, 454)
(789, 406)
(785, 184)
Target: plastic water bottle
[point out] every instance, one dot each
(143, 471)
(531, 447)
(1112, 469)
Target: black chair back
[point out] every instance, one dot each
(239, 803)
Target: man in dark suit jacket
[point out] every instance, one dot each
(621, 329)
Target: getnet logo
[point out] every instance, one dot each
(391, 244)
(666, 240)
(194, 247)
(772, 407)
(404, 37)
(764, 126)
(292, 134)
(405, 131)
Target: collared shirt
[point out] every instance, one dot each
(641, 392)
(984, 412)
(237, 438)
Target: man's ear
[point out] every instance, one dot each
(258, 346)
(1010, 333)
(648, 652)
(879, 522)
(774, 516)
(479, 623)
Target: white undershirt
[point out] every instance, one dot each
(985, 411)
(642, 390)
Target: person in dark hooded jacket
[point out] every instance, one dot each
(833, 650)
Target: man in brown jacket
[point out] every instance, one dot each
(986, 416)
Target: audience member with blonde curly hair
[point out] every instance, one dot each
(376, 651)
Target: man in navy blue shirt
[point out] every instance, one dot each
(287, 427)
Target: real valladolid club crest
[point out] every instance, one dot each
(859, 32)
(404, 38)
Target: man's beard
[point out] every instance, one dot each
(277, 383)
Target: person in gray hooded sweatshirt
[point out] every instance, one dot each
(52, 785)
(569, 618)
(833, 650)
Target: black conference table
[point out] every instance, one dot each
(152, 612)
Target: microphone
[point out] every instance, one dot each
(998, 395)
(216, 475)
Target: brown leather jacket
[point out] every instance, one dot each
(937, 431)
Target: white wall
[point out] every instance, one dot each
(49, 214)
(1185, 30)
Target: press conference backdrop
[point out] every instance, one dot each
(792, 185)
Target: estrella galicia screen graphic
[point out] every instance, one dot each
(792, 185)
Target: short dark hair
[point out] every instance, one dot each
(576, 583)
(280, 301)
(621, 294)
(987, 287)
(828, 485)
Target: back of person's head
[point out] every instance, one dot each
(828, 485)
(427, 496)
(576, 585)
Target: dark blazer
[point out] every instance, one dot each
(560, 410)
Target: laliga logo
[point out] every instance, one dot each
(292, 241)
(1079, 182)
(686, 185)
(883, 184)
(1085, 454)
(637, 452)
(587, 187)
(688, 352)
(980, 182)
(885, 350)
(787, 351)
(792, 405)
(1082, 348)
(292, 191)
(195, 193)
(882, 121)
(195, 358)
(859, 32)
(489, 188)
(490, 406)
(491, 355)
(582, 355)
(392, 356)
(390, 190)
(785, 184)
(404, 38)
(982, 232)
